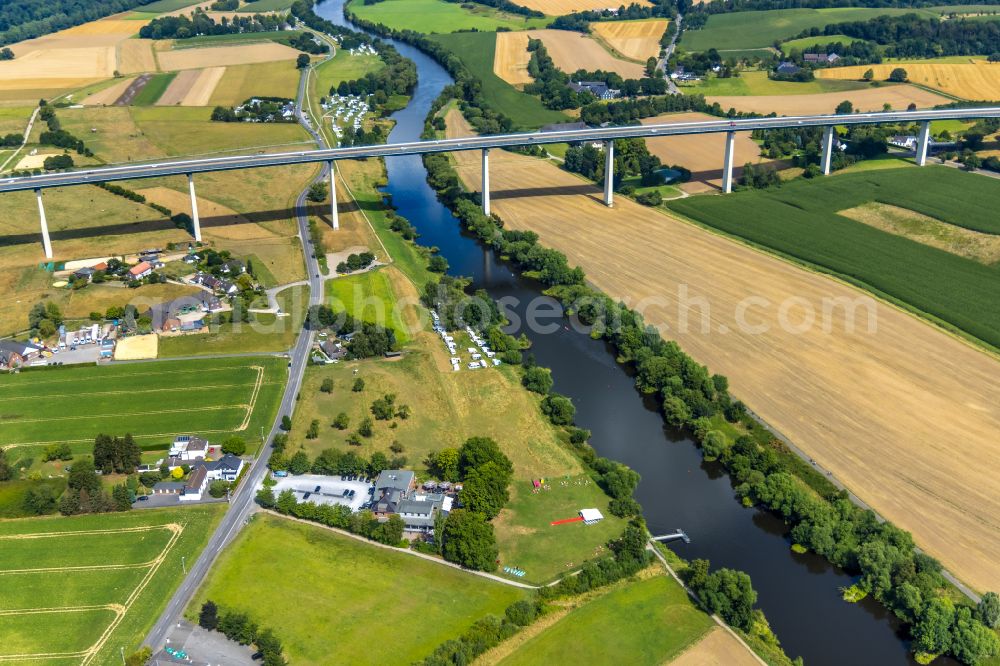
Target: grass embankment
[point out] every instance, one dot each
(760, 29)
(346, 600)
(213, 397)
(440, 16)
(477, 50)
(129, 598)
(649, 621)
(800, 220)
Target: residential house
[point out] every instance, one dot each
(168, 488)
(196, 485)
(395, 493)
(140, 270)
(226, 468)
(233, 267)
(217, 285)
(908, 142)
(391, 487)
(86, 274)
(14, 354)
(333, 350)
(189, 447)
(598, 88)
(419, 511)
(787, 68)
(821, 58)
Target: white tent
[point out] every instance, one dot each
(591, 516)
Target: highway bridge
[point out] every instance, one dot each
(605, 135)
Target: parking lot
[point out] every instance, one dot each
(331, 490)
(82, 354)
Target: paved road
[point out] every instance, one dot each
(242, 503)
(669, 51)
(137, 171)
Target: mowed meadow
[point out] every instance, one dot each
(80, 589)
(154, 402)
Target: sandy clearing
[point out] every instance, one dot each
(572, 51)
(33, 68)
(137, 347)
(135, 56)
(906, 416)
(561, 7)
(181, 202)
(702, 153)
(717, 648)
(633, 39)
(510, 61)
(35, 161)
(869, 99)
(179, 88)
(218, 56)
(109, 95)
(977, 80)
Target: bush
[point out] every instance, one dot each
(235, 445)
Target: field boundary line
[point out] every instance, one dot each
(210, 408)
(59, 609)
(200, 387)
(253, 398)
(192, 371)
(94, 567)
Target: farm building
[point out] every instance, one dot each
(168, 488)
(14, 354)
(787, 68)
(821, 58)
(598, 88)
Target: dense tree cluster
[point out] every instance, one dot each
(550, 83)
(257, 109)
(629, 111)
(398, 77)
(56, 136)
(200, 23)
(239, 627)
(116, 455)
(44, 319)
(632, 157)
(369, 339)
(84, 493)
(26, 19)
(459, 309)
(910, 36)
(356, 262)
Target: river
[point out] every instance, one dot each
(798, 593)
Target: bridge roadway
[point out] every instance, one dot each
(188, 167)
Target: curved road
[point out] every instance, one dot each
(242, 503)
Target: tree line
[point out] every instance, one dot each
(369, 339)
(27, 19)
(910, 36)
(240, 627)
(200, 23)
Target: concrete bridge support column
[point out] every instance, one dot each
(334, 215)
(486, 181)
(827, 155)
(196, 221)
(46, 243)
(609, 173)
(923, 140)
(727, 166)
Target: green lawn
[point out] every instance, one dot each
(760, 29)
(758, 83)
(263, 333)
(152, 401)
(342, 67)
(368, 297)
(439, 16)
(645, 622)
(800, 220)
(805, 43)
(189, 130)
(332, 599)
(155, 87)
(476, 50)
(77, 630)
(529, 541)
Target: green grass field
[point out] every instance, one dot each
(756, 30)
(267, 79)
(74, 607)
(153, 89)
(265, 6)
(645, 622)
(758, 83)
(800, 220)
(161, 6)
(368, 297)
(189, 130)
(439, 16)
(805, 43)
(342, 67)
(264, 333)
(154, 402)
(332, 599)
(476, 50)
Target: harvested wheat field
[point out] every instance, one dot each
(976, 80)
(906, 417)
(701, 153)
(510, 60)
(638, 40)
(571, 51)
(109, 95)
(869, 99)
(717, 648)
(135, 56)
(562, 7)
(35, 68)
(192, 87)
(220, 56)
(210, 212)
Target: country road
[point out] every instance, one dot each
(242, 502)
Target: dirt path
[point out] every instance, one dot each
(906, 417)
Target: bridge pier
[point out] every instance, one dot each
(609, 172)
(46, 242)
(196, 221)
(923, 139)
(334, 214)
(486, 181)
(827, 156)
(727, 165)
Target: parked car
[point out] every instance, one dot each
(142, 498)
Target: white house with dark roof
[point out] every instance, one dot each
(188, 448)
